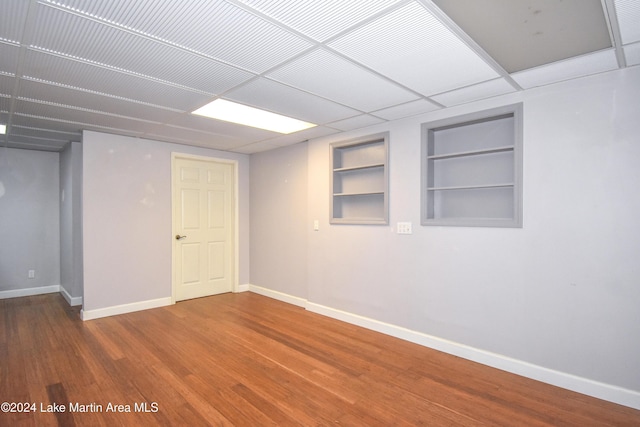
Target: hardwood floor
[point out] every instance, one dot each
(247, 360)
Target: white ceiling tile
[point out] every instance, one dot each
(66, 71)
(628, 12)
(632, 54)
(46, 133)
(304, 135)
(213, 126)
(12, 19)
(273, 96)
(568, 69)
(26, 143)
(356, 122)
(330, 76)
(81, 117)
(256, 147)
(475, 92)
(214, 28)
(192, 137)
(405, 110)
(9, 54)
(320, 19)
(26, 121)
(126, 51)
(92, 101)
(433, 59)
(58, 140)
(5, 103)
(7, 83)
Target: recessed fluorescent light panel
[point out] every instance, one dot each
(221, 109)
(3, 129)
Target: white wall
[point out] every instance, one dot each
(71, 222)
(562, 293)
(29, 220)
(279, 219)
(127, 218)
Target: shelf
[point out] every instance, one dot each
(355, 168)
(472, 169)
(359, 180)
(470, 187)
(471, 153)
(364, 193)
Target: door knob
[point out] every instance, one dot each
(179, 237)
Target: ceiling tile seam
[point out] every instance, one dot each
(159, 137)
(573, 58)
(94, 92)
(611, 18)
(85, 110)
(117, 69)
(320, 45)
(40, 138)
(46, 130)
(384, 77)
(468, 41)
(27, 30)
(364, 22)
(207, 133)
(310, 39)
(469, 86)
(9, 42)
(140, 33)
(323, 45)
(264, 76)
(81, 124)
(34, 146)
(247, 8)
(333, 101)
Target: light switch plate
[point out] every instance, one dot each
(403, 228)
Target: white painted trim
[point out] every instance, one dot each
(611, 393)
(72, 301)
(235, 286)
(242, 288)
(16, 293)
(124, 308)
(300, 302)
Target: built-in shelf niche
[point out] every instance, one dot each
(359, 180)
(472, 169)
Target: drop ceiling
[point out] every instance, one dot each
(140, 67)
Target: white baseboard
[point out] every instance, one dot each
(300, 302)
(124, 308)
(242, 288)
(16, 293)
(72, 301)
(571, 382)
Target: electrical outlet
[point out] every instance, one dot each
(403, 228)
(32, 274)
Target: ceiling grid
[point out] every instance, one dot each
(140, 67)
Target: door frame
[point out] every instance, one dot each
(235, 287)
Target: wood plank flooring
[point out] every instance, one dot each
(247, 360)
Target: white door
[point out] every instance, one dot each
(203, 227)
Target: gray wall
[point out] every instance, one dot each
(561, 293)
(279, 219)
(29, 219)
(71, 220)
(127, 218)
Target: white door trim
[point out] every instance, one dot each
(236, 216)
